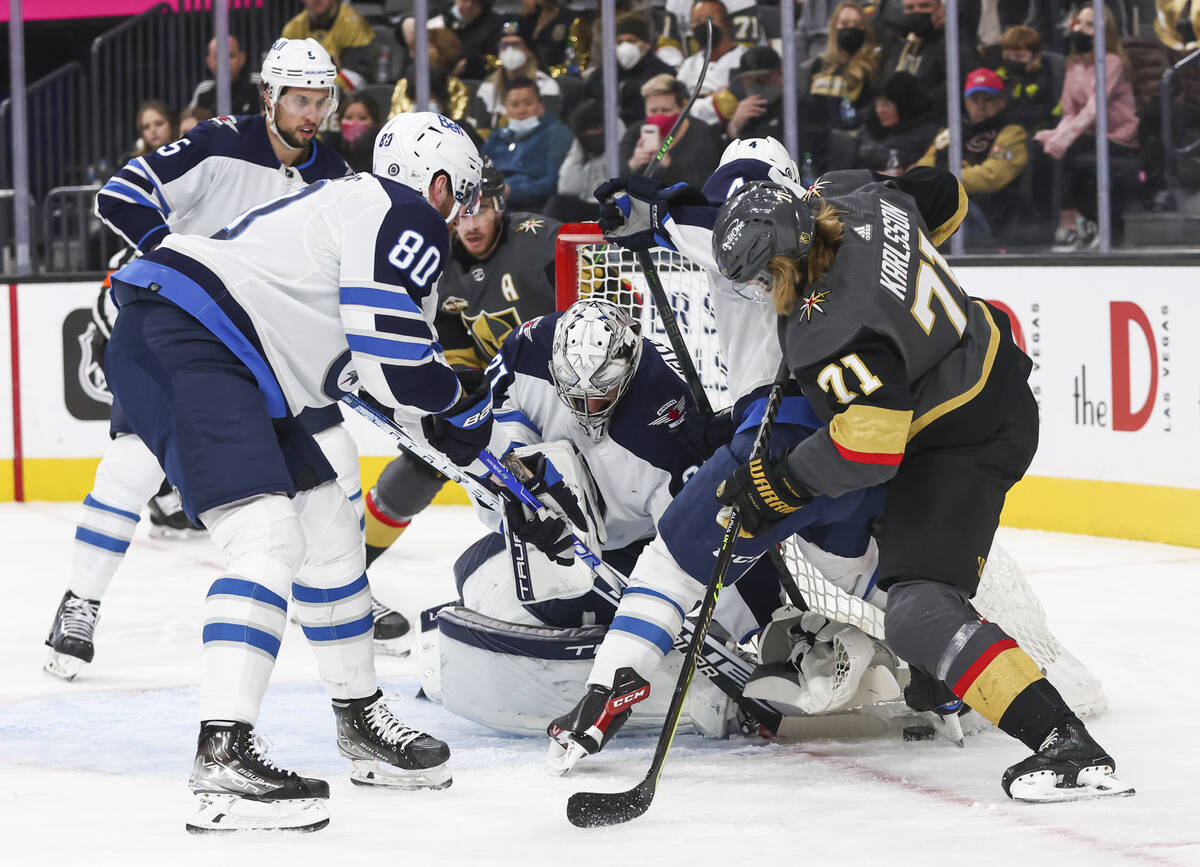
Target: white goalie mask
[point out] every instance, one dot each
(300, 64)
(414, 148)
(597, 348)
(783, 169)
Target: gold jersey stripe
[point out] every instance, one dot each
(870, 430)
(1005, 677)
(923, 421)
(946, 229)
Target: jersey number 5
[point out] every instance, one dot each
(405, 253)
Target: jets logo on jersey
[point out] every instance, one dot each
(531, 226)
(670, 413)
(489, 329)
(527, 327)
(812, 304)
(226, 121)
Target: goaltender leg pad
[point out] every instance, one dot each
(200, 411)
(128, 476)
(332, 596)
(245, 612)
(515, 679)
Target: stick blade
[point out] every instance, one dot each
(600, 809)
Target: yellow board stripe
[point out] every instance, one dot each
(1120, 510)
(1003, 680)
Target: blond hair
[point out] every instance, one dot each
(1112, 38)
(787, 273)
(864, 62)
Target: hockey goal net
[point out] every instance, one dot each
(587, 266)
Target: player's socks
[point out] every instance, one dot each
(337, 622)
(244, 622)
(385, 752)
(72, 635)
(238, 788)
(383, 526)
(102, 536)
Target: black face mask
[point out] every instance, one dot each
(592, 143)
(850, 39)
(1016, 67)
(1080, 43)
(919, 24)
(699, 35)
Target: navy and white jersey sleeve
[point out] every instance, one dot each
(388, 296)
(204, 180)
(525, 353)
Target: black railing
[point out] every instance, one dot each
(1172, 150)
(58, 131)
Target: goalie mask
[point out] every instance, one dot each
(597, 347)
(760, 220)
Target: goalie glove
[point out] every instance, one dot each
(763, 492)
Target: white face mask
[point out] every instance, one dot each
(524, 125)
(512, 58)
(628, 55)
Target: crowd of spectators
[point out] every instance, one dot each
(528, 86)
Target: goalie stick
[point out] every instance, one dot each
(722, 666)
(597, 809)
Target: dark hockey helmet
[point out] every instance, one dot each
(760, 220)
(493, 184)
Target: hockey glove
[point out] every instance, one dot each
(465, 429)
(550, 529)
(764, 493)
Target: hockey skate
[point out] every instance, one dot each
(238, 789)
(167, 518)
(72, 635)
(594, 721)
(1069, 766)
(391, 630)
(385, 752)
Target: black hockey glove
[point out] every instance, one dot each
(545, 529)
(464, 430)
(928, 693)
(764, 493)
(633, 209)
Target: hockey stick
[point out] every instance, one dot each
(596, 809)
(657, 292)
(723, 667)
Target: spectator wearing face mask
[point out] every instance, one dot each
(752, 105)
(994, 155)
(919, 49)
(697, 146)
(638, 64)
(477, 28)
(726, 56)
(898, 128)
(584, 168)
(517, 63)
(1033, 89)
(840, 80)
(354, 137)
(530, 148)
(546, 24)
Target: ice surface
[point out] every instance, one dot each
(93, 772)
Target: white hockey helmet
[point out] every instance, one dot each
(595, 354)
(299, 63)
(414, 148)
(766, 150)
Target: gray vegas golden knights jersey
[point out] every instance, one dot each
(483, 301)
(888, 347)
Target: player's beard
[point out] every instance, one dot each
(291, 139)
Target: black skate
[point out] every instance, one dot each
(391, 627)
(1069, 766)
(594, 721)
(385, 752)
(167, 518)
(238, 789)
(72, 635)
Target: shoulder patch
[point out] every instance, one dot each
(531, 225)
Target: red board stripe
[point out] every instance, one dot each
(984, 660)
(18, 454)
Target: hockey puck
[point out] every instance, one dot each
(918, 733)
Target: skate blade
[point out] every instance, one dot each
(947, 727)
(1041, 787)
(62, 665)
(227, 813)
(367, 772)
(561, 758)
(399, 646)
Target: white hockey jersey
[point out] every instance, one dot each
(654, 441)
(318, 290)
(197, 184)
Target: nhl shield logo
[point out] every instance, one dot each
(85, 389)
